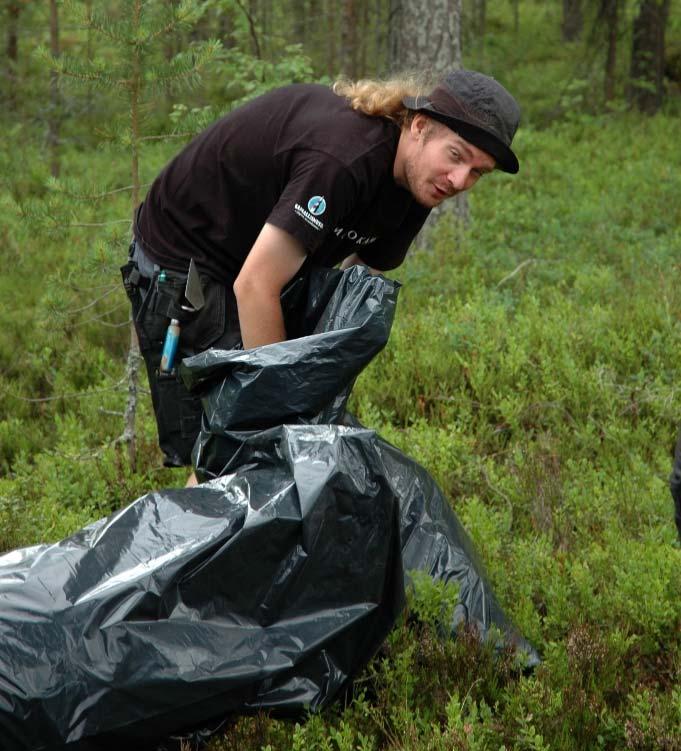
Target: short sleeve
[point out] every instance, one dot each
(319, 193)
(389, 251)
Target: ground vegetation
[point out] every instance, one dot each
(533, 367)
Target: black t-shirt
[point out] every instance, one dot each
(298, 157)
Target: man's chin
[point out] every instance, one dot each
(435, 198)
(429, 201)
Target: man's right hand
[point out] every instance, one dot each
(271, 263)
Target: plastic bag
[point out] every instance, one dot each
(268, 587)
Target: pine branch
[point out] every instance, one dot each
(91, 304)
(117, 31)
(69, 188)
(109, 325)
(167, 137)
(46, 216)
(516, 270)
(151, 26)
(96, 224)
(67, 66)
(184, 68)
(94, 72)
(73, 395)
(100, 318)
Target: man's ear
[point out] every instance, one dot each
(419, 125)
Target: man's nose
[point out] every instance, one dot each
(460, 178)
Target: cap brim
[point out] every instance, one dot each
(505, 158)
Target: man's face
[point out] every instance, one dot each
(438, 163)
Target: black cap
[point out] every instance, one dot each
(478, 108)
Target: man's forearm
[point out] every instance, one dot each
(354, 260)
(275, 257)
(261, 320)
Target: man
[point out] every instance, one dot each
(300, 175)
(675, 486)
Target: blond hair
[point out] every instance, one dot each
(383, 98)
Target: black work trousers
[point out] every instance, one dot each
(156, 297)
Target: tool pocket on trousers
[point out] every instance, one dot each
(152, 310)
(150, 326)
(178, 418)
(206, 326)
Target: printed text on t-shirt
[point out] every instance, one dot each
(354, 236)
(311, 220)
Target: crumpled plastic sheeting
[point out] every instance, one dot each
(431, 537)
(350, 315)
(307, 379)
(268, 587)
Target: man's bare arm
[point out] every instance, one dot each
(354, 260)
(272, 262)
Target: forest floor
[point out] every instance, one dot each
(533, 369)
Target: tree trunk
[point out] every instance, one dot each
(362, 67)
(89, 52)
(611, 19)
(331, 50)
(426, 35)
(516, 16)
(380, 33)
(249, 12)
(646, 90)
(226, 23)
(480, 24)
(266, 27)
(299, 14)
(349, 38)
(573, 20)
(55, 104)
(133, 363)
(394, 18)
(169, 41)
(13, 11)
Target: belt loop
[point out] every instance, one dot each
(147, 296)
(146, 266)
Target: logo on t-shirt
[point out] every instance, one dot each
(316, 205)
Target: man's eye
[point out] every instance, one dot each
(455, 154)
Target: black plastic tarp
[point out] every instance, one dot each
(269, 586)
